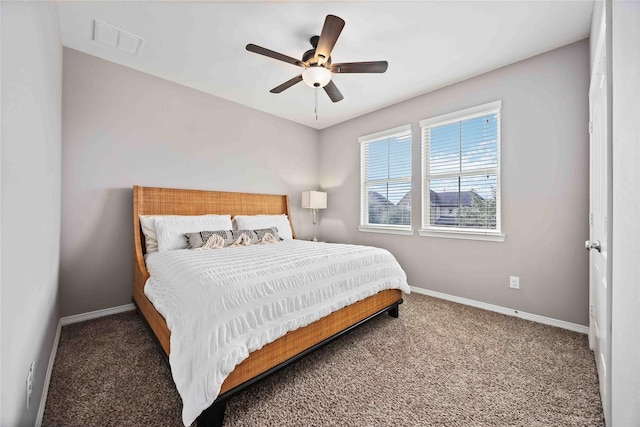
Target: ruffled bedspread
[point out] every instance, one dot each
(222, 304)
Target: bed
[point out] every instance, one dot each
(274, 355)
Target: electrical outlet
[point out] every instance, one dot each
(514, 282)
(30, 383)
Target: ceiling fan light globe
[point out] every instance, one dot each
(316, 76)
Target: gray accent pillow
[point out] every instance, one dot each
(197, 240)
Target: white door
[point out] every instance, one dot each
(599, 236)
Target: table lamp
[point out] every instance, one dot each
(314, 200)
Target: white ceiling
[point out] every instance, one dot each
(428, 44)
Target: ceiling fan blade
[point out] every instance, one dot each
(272, 54)
(330, 32)
(360, 67)
(333, 92)
(287, 84)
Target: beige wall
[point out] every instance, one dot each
(122, 127)
(545, 148)
(30, 157)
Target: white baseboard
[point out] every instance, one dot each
(47, 377)
(76, 318)
(504, 310)
(52, 358)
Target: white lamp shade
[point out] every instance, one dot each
(316, 76)
(314, 200)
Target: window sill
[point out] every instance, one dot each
(386, 230)
(488, 237)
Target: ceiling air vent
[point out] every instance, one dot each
(116, 38)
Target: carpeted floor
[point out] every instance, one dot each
(439, 364)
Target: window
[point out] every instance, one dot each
(385, 172)
(461, 174)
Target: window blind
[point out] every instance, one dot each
(385, 166)
(461, 170)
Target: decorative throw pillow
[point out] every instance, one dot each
(229, 237)
(197, 240)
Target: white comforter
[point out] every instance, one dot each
(222, 304)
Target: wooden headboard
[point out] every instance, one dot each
(173, 201)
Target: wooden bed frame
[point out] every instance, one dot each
(276, 355)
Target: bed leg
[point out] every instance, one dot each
(213, 416)
(394, 311)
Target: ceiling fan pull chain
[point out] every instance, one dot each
(316, 109)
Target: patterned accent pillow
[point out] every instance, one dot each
(197, 240)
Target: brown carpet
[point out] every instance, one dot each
(439, 364)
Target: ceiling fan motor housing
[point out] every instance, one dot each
(309, 56)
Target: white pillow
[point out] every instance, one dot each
(148, 224)
(170, 230)
(255, 222)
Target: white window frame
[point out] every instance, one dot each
(450, 232)
(364, 183)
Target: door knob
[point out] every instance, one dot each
(588, 245)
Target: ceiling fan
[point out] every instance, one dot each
(317, 61)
